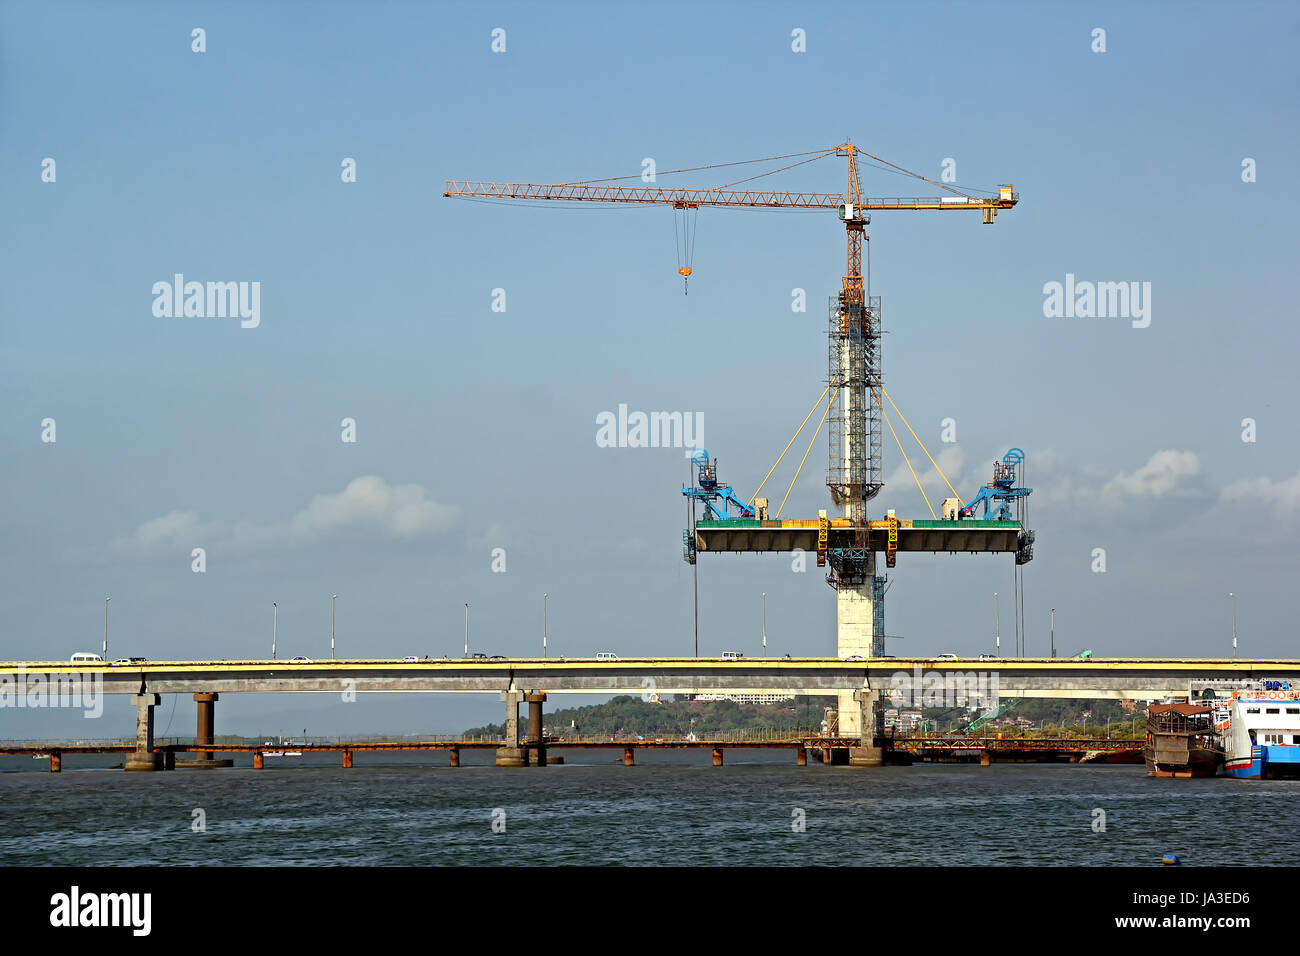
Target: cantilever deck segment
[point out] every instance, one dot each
(741, 534)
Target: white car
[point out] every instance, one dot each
(410, 660)
(301, 660)
(946, 657)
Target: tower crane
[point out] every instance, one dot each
(847, 544)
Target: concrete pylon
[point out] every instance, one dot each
(868, 753)
(510, 754)
(853, 628)
(143, 757)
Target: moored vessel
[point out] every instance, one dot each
(1181, 741)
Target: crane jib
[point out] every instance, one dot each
(711, 197)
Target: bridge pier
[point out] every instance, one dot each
(205, 734)
(454, 757)
(258, 760)
(536, 742)
(986, 758)
(717, 756)
(56, 762)
(143, 757)
(628, 759)
(510, 754)
(868, 753)
(347, 760)
(801, 757)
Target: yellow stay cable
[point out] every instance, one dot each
(908, 463)
(834, 394)
(789, 443)
(923, 448)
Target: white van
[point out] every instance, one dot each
(732, 655)
(606, 656)
(86, 657)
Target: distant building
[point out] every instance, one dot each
(908, 721)
(747, 698)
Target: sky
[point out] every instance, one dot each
(1166, 157)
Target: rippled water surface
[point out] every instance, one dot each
(672, 808)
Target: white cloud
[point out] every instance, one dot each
(1165, 472)
(367, 506)
(1282, 496)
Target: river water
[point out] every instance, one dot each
(672, 808)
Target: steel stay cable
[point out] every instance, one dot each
(812, 442)
(788, 444)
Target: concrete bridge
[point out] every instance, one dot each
(870, 681)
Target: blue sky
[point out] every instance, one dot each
(175, 433)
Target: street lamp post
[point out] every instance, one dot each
(765, 624)
(333, 598)
(467, 629)
(1234, 624)
(997, 627)
(275, 620)
(105, 654)
(1053, 632)
(543, 625)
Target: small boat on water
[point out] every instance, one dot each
(1181, 741)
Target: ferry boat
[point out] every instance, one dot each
(1262, 739)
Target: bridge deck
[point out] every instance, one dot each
(913, 535)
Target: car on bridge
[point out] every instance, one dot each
(127, 661)
(301, 660)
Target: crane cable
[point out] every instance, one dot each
(812, 442)
(771, 172)
(696, 169)
(685, 241)
(908, 463)
(921, 443)
(789, 443)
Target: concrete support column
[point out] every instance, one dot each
(143, 757)
(454, 755)
(56, 762)
(628, 760)
(258, 760)
(536, 742)
(510, 754)
(347, 760)
(207, 723)
(986, 758)
(869, 752)
(717, 756)
(205, 733)
(853, 627)
(801, 757)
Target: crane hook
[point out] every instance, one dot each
(685, 273)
